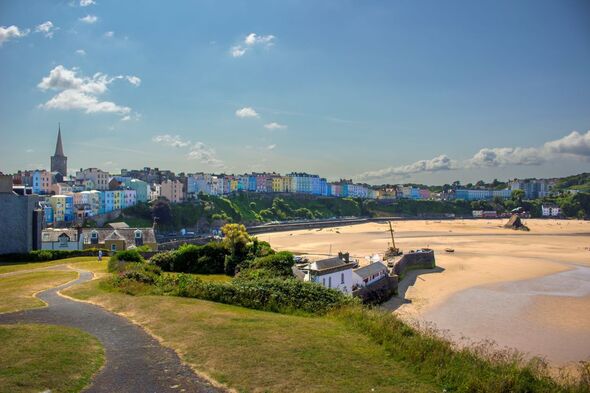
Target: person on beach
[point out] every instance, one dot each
(99, 255)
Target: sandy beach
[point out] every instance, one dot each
(524, 290)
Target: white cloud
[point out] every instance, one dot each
(171, 140)
(204, 154)
(46, 28)
(90, 19)
(79, 92)
(238, 51)
(134, 80)
(86, 3)
(275, 126)
(271, 147)
(10, 32)
(246, 112)
(502, 156)
(29, 151)
(252, 40)
(81, 52)
(109, 34)
(440, 163)
(575, 144)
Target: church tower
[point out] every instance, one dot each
(59, 162)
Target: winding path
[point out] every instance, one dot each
(135, 361)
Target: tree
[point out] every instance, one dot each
(161, 212)
(517, 195)
(235, 240)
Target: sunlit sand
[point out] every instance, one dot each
(500, 284)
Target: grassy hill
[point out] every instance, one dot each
(579, 182)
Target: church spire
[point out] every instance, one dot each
(59, 150)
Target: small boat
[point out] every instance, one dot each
(449, 249)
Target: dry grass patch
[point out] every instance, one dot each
(16, 292)
(7, 267)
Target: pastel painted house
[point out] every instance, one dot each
(41, 182)
(141, 189)
(63, 208)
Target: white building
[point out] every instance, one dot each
(61, 239)
(550, 210)
(369, 274)
(332, 273)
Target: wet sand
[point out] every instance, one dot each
(516, 288)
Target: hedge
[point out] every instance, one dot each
(268, 294)
(49, 255)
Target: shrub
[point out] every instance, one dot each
(141, 272)
(164, 260)
(207, 259)
(123, 257)
(277, 265)
(269, 294)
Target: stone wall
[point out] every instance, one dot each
(379, 291)
(412, 261)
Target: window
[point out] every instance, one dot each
(323, 281)
(63, 241)
(329, 282)
(94, 235)
(113, 247)
(138, 234)
(341, 278)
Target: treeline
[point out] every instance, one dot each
(251, 208)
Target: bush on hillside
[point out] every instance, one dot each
(190, 258)
(269, 294)
(118, 261)
(164, 260)
(276, 265)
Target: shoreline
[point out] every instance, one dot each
(486, 256)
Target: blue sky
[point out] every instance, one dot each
(380, 91)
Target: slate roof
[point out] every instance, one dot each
(370, 270)
(330, 265)
(118, 225)
(127, 234)
(52, 235)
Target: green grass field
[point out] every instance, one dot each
(42, 358)
(16, 292)
(352, 350)
(259, 351)
(7, 267)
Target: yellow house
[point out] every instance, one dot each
(281, 184)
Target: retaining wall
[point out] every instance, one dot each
(378, 292)
(412, 261)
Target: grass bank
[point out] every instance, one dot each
(39, 358)
(260, 351)
(351, 350)
(8, 267)
(16, 292)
